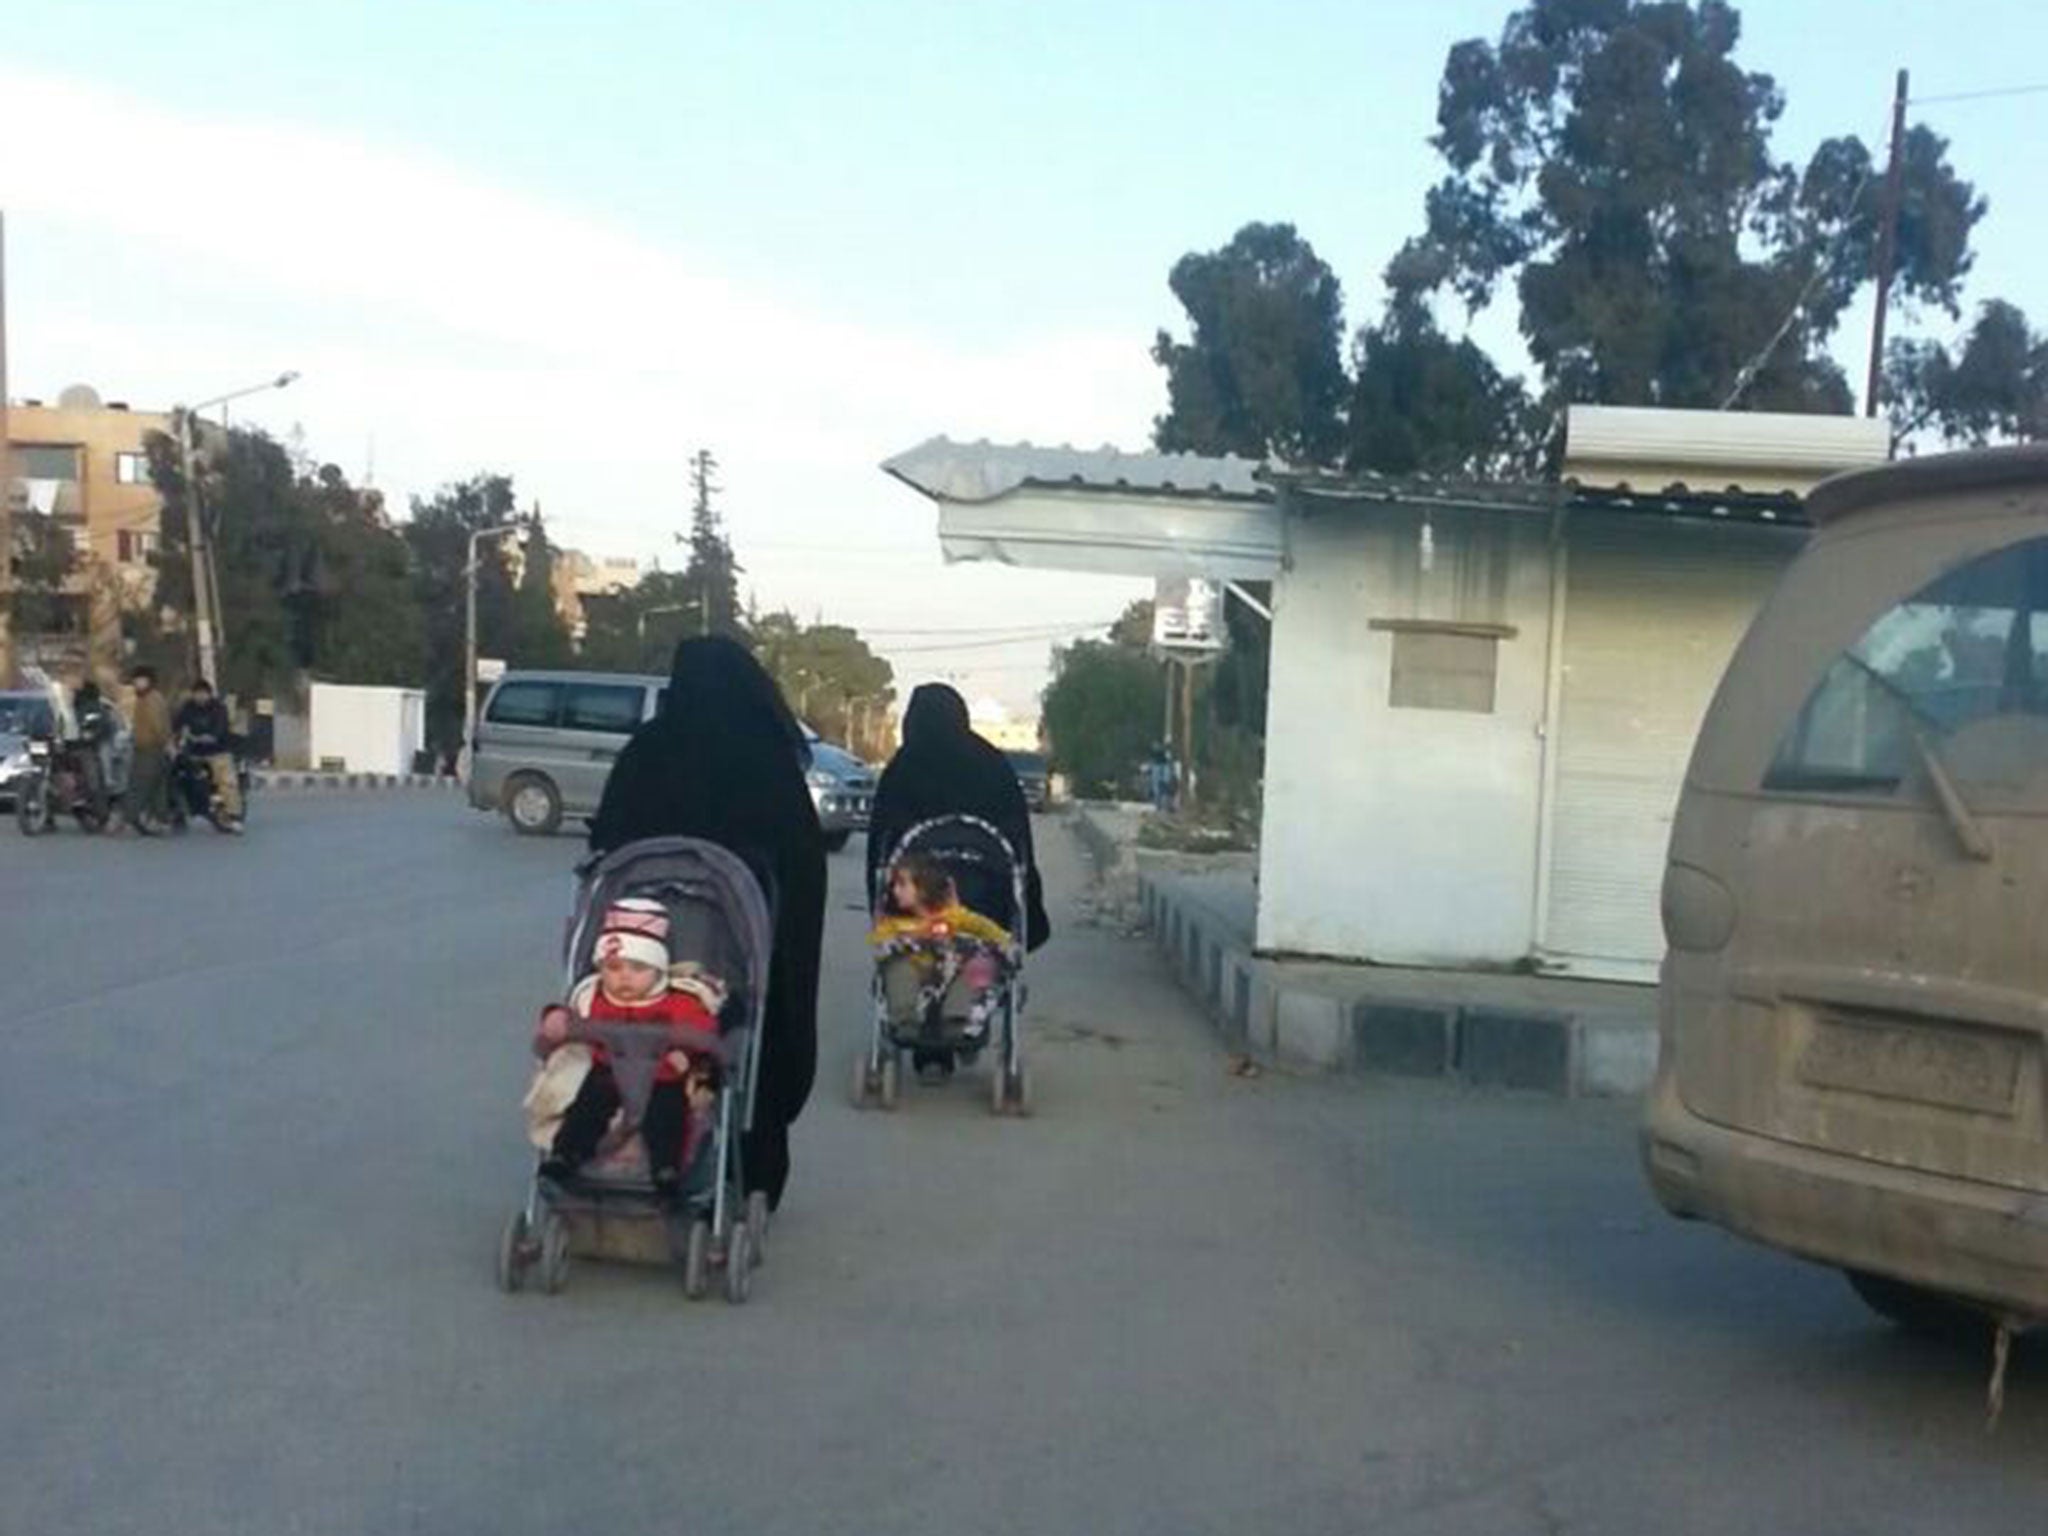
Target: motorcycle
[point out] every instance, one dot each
(64, 778)
(193, 797)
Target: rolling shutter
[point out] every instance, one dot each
(1652, 614)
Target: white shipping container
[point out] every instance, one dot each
(365, 730)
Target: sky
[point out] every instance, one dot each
(574, 243)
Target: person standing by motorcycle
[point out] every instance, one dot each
(99, 730)
(203, 731)
(149, 773)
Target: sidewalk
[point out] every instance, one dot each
(292, 778)
(1517, 1031)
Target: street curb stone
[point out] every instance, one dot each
(1508, 1048)
(1404, 1039)
(1257, 1010)
(291, 779)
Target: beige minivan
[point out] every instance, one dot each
(1854, 1006)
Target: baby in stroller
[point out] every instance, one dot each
(575, 1099)
(940, 961)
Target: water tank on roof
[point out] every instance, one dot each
(79, 397)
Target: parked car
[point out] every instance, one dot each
(24, 713)
(1855, 1002)
(1033, 776)
(546, 741)
(842, 788)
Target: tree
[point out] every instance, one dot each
(636, 630)
(1422, 403)
(438, 536)
(41, 606)
(1261, 374)
(712, 573)
(1992, 385)
(835, 683)
(313, 579)
(536, 634)
(1612, 160)
(1101, 713)
(355, 617)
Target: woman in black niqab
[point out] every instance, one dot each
(944, 769)
(725, 761)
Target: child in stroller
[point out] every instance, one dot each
(648, 1071)
(922, 963)
(947, 968)
(633, 983)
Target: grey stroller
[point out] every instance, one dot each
(990, 879)
(721, 916)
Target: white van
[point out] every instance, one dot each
(546, 741)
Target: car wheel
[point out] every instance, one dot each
(532, 804)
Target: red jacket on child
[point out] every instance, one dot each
(672, 1008)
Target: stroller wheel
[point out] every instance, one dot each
(512, 1255)
(890, 1079)
(1020, 1092)
(863, 1081)
(697, 1261)
(998, 1089)
(757, 1226)
(554, 1254)
(739, 1265)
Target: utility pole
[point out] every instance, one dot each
(206, 604)
(1887, 246)
(1187, 733)
(6, 486)
(195, 549)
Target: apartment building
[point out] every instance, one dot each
(82, 462)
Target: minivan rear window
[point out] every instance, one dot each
(1971, 646)
(603, 707)
(525, 704)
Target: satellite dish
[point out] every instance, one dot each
(79, 397)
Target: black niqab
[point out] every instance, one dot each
(725, 761)
(944, 769)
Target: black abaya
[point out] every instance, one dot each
(944, 769)
(725, 761)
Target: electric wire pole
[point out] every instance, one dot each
(1887, 246)
(6, 486)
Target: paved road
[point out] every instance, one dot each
(258, 1130)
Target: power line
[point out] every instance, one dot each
(1747, 375)
(992, 629)
(1991, 95)
(1072, 632)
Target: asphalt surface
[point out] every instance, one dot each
(260, 1124)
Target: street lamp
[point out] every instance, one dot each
(206, 616)
(640, 625)
(469, 630)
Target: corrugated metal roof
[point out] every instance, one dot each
(1676, 501)
(1419, 490)
(970, 473)
(983, 471)
(1622, 434)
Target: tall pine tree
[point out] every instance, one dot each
(712, 576)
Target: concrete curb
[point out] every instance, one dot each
(1365, 1024)
(289, 780)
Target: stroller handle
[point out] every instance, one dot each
(643, 1042)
